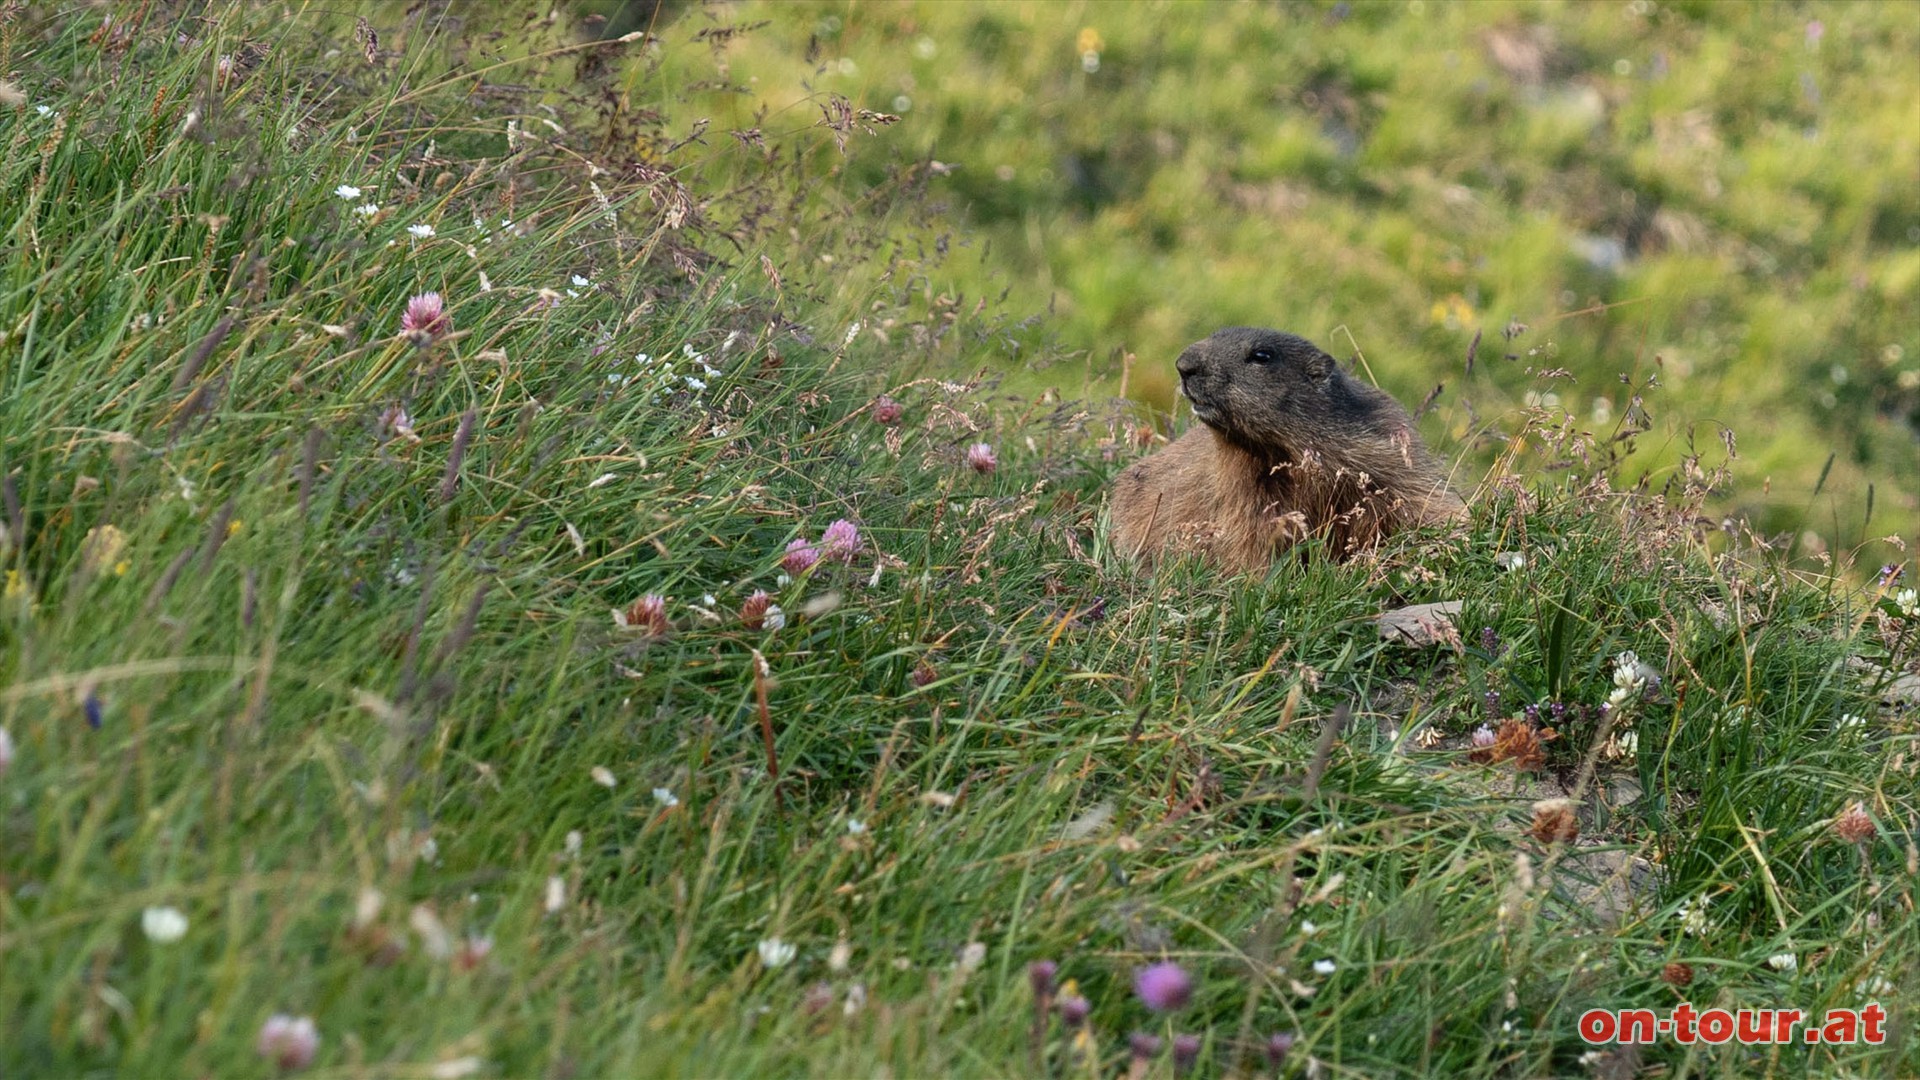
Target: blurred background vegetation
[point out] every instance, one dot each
(1713, 208)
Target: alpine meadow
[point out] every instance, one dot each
(571, 541)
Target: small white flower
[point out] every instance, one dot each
(1850, 720)
(774, 619)
(1873, 986)
(1626, 745)
(43, 110)
(665, 797)
(1308, 928)
(347, 191)
(163, 925)
(781, 581)
(421, 230)
(604, 776)
(1510, 560)
(856, 826)
(695, 384)
(776, 953)
(852, 332)
(840, 956)
(1323, 967)
(972, 956)
(1693, 916)
(573, 842)
(367, 209)
(581, 283)
(1785, 961)
(556, 894)
(1908, 601)
(709, 600)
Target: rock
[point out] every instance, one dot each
(1420, 625)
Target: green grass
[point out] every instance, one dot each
(341, 688)
(1719, 194)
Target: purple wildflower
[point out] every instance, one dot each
(980, 458)
(426, 318)
(1186, 1051)
(800, 557)
(1074, 1010)
(1143, 1046)
(841, 541)
(1278, 1045)
(289, 1042)
(1041, 974)
(1163, 987)
(886, 411)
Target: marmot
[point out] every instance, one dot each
(1288, 447)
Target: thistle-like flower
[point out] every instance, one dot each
(1074, 1010)
(1186, 1052)
(800, 557)
(841, 542)
(426, 319)
(1855, 825)
(759, 612)
(290, 1042)
(980, 458)
(886, 411)
(1163, 987)
(647, 615)
(1279, 1044)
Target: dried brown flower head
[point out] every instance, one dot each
(1855, 826)
(1521, 743)
(1677, 975)
(1554, 821)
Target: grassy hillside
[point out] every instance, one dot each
(1722, 198)
(584, 671)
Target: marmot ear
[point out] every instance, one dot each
(1319, 366)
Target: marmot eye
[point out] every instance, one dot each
(1261, 356)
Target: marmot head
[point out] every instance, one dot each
(1267, 389)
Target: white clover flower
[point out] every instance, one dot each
(581, 283)
(1627, 745)
(776, 953)
(1323, 967)
(1908, 601)
(695, 384)
(367, 209)
(347, 191)
(1785, 961)
(774, 619)
(665, 797)
(163, 925)
(1693, 916)
(422, 230)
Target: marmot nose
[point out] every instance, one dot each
(1190, 363)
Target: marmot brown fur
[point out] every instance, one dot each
(1289, 447)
